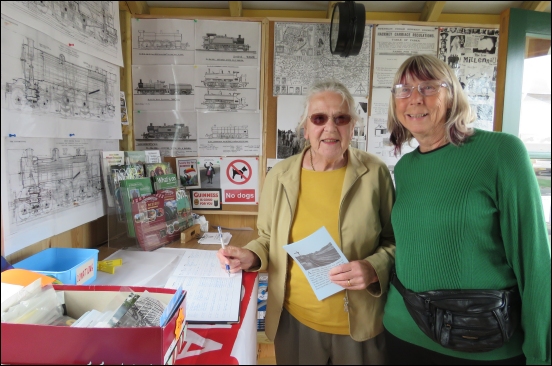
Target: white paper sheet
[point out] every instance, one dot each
(316, 255)
(88, 26)
(302, 56)
(227, 43)
(473, 53)
(229, 134)
(138, 267)
(213, 295)
(50, 186)
(162, 42)
(52, 90)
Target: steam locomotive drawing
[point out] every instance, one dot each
(214, 42)
(229, 132)
(220, 80)
(93, 18)
(177, 131)
(160, 41)
(220, 101)
(55, 182)
(51, 84)
(160, 88)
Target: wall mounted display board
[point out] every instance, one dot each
(302, 55)
(223, 81)
(473, 54)
(52, 185)
(88, 26)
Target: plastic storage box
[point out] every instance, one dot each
(71, 266)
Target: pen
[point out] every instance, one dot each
(222, 244)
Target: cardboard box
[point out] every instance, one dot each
(190, 233)
(45, 344)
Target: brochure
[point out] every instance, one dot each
(316, 255)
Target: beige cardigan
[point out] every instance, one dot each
(364, 226)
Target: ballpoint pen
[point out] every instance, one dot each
(222, 244)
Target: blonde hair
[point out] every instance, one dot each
(330, 85)
(459, 113)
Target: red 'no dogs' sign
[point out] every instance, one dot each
(239, 172)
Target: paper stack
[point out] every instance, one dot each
(214, 238)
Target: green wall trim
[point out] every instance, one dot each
(521, 24)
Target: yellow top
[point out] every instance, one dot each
(318, 205)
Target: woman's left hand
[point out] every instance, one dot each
(355, 275)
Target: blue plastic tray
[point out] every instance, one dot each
(71, 266)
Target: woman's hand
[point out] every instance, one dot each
(237, 258)
(355, 275)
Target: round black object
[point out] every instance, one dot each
(347, 29)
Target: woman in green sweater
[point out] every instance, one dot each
(468, 215)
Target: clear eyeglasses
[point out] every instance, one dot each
(425, 88)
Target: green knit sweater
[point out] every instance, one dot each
(471, 217)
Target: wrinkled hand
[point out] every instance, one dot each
(237, 258)
(355, 275)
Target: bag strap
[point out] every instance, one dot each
(395, 281)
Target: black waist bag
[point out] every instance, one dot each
(464, 320)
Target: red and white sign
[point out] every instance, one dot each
(240, 180)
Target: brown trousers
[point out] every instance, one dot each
(297, 344)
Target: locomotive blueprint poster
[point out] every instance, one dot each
(163, 42)
(163, 87)
(227, 43)
(472, 53)
(175, 130)
(87, 26)
(302, 56)
(227, 88)
(227, 134)
(52, 90)
(50, 186)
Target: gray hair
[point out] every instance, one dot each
(459, 113)
(330, 85)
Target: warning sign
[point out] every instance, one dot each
(240, 180)
(238, 172)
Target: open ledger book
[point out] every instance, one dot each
(212, 295)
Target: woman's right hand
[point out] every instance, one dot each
(237, 258)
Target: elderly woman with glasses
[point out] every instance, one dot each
(350, 193)
(467, 216)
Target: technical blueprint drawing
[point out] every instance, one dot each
(163, 87)
(55, 182)
(88, 26)
(227, 88)
(51, 90)
(163, 42)
(229, 134)
(302, 56)
(227, 43)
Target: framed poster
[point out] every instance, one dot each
(206, 199)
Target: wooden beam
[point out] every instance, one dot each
(432, 11)
(123, 6)
(235, 8)
(331, 6)
(500, 89)
(535, 5)
(127, 142)
(138, 7)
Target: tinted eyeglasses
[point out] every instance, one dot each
(320, 119)
(425, 88)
